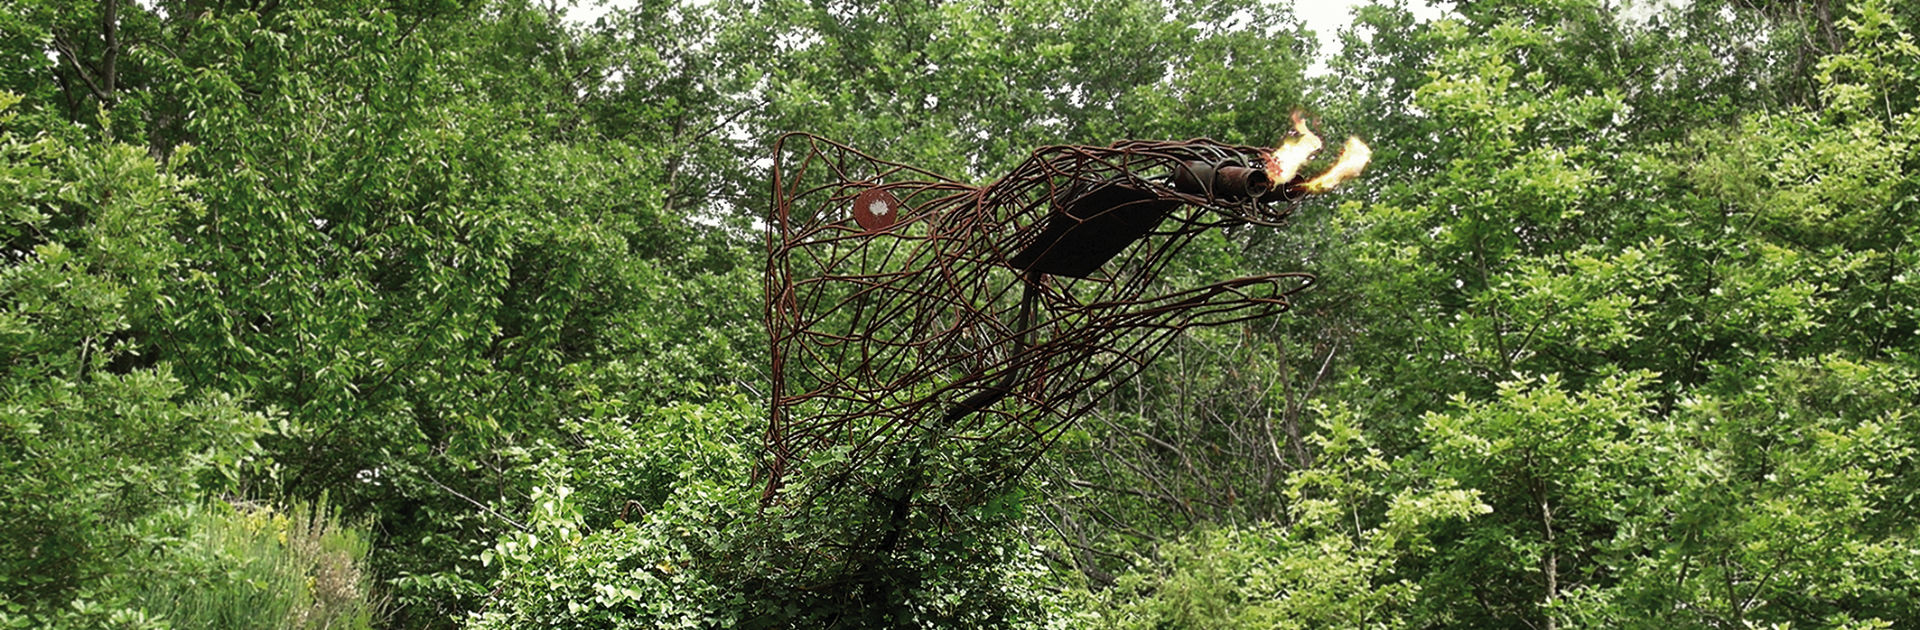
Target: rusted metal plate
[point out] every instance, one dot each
(1088, 230)
(876, 209)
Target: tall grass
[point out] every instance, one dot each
(255, 567)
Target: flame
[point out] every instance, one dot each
(1353, 159)
(1284, 162)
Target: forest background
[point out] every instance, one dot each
(436, 313)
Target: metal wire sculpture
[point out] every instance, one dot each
(905, 307)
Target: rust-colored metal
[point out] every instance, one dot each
(876, 209)
(989, 314)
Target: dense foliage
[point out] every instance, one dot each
(1622, 327)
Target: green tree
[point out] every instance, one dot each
(1593, 299)
(406, 240)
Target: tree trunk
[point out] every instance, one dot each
(110, 58)
(1549, 565)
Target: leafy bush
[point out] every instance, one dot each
(96, 432)
(1320, 569)
(653, 522)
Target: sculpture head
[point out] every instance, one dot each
(907, 308)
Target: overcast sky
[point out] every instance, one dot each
(1327, 17)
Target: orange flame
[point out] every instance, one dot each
(1284, 162)
(1353, 160)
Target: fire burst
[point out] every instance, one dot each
(1284, 162)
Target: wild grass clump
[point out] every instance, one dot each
(251, 566)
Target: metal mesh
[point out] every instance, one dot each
(988, 314)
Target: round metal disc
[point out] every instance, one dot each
(876, 209)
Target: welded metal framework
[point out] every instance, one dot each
(905, 307)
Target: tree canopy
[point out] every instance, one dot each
(448, 313)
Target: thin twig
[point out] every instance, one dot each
(483, 506)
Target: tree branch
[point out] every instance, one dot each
(72, 58)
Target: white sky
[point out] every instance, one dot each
(1327, 17)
